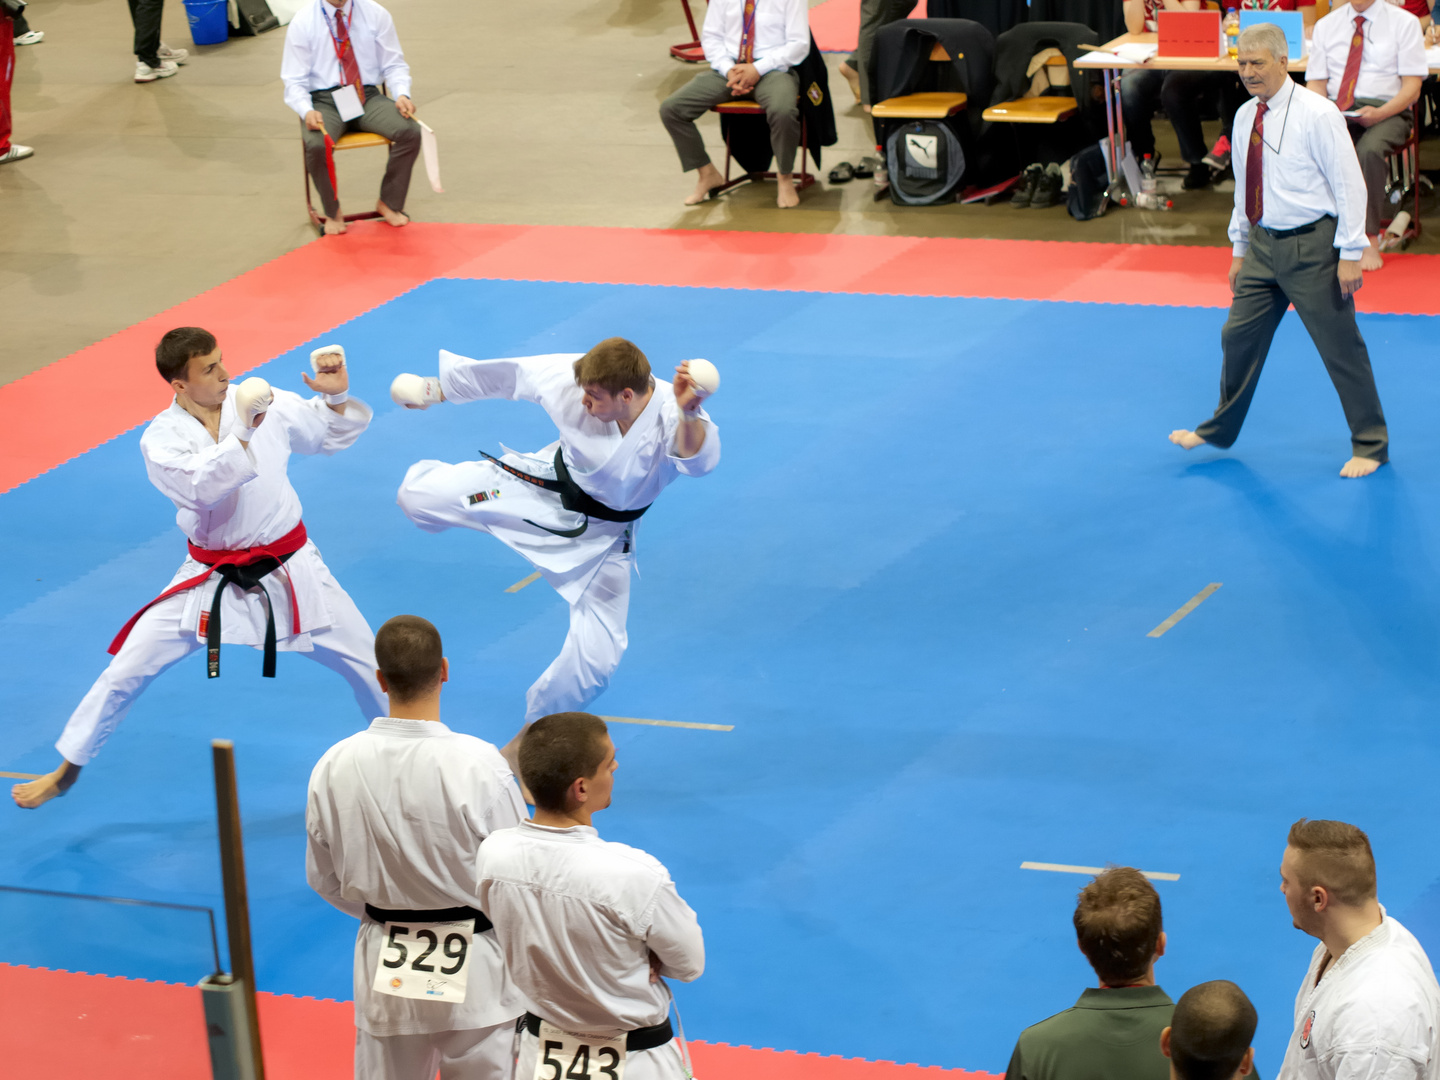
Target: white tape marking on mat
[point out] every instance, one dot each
(667, 723)
(1190, 605)
(20, 776)
(1062, 868)
(524, 581)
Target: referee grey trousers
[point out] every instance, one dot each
(1373, 146)
(778, 93)
(383, 118)
(1279, 271)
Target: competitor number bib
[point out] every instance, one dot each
(428, 961)
(563, 1055)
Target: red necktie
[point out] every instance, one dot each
(747, 34)
(348, 64)
(1346, 100)
(1255, 167)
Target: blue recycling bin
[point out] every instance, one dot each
(209, 21)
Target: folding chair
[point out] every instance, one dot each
(351, 140)
(690, 51)
(1404, 186)
(753, 108)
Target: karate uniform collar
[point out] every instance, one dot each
(1376, 939)
(407, 729)
(1123, 997)
(574, 832)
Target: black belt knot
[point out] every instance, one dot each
(572, 496)
(646, 1038)
(450, 914)
(243, 577)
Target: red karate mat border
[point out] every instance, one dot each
(67, 1025)
(75, 404)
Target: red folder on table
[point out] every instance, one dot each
(1190, 33)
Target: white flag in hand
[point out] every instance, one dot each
(430, 150)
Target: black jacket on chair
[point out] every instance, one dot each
(1105, 17)
(1014, 48)
(749, 136)
(903, 65)
(997, 16)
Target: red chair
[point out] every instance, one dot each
(1404, 187)
(351, 140)
(752, 108)
(691, 51)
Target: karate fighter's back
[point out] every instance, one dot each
(571, 509)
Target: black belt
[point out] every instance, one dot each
(243, 578)
(449, 914)
(1285, 234)
(572, 496)
(646, 1038)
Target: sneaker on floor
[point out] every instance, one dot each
(34, 37)
(15, 153)
(1047, 192)
(145, 73)
(1219, 156)
(1199, 176)
(178, 56)
(1029, 185)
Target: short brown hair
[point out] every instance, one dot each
(178, 347)
(558, 750)
(1335, 856)
(614, 365)
(1211, 1030)
(1117, 921)
(409, 654)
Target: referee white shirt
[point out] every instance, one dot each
(395, 818)
(1394, 46)
(577, 918)
(309, 62)
(782, 34)
(1310, 169)
(1375, 1015)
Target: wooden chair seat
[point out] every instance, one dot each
(932, 105)
(1035, 110)
(737, 108)
(356, 140)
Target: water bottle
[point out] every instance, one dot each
(1147, 198)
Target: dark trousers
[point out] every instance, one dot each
(145, 14)
(1300, 270)
(873, 15)
(382, 118)
(1184, 93)
(1372, 146)
(22, 26)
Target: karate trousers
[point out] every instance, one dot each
(433, 496)
(158, 642)
(662, 1063)
(476, 1054)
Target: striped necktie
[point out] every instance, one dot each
(1255, 167)
(1346, 100)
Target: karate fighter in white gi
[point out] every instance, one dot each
(1369, 1006)
(395, 818)
(589, 927)
(226, 474)
(570, 509)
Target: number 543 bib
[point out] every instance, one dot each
(563, 1055)
(428, 961)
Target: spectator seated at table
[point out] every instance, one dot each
(752, 48)
(1368, 56)
(1209, 1035)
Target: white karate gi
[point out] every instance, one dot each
(624, 472)
(228, 497)
(577, 918)
(1374, 1016)
(395, 818)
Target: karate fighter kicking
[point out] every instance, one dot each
(226, 474)
(571, 508)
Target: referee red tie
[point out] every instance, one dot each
(1255, 167)
(747, 34)
(348, 64)
(1346, 100)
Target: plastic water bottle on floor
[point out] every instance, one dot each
(1148, 197)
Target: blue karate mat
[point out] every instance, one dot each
(919, 586)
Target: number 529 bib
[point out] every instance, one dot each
(429, 961)
(563, 1055)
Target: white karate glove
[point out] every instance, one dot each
(327, 360)
(415, 392)
(252, 398)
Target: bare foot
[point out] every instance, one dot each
(334, 226)
(852, 77)
(1357, 467)
(707, 179)
(392, 217)
(1186, 440)
(786, 195)
(52, 785)
(1370, 259)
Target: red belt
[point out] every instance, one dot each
(244, 569)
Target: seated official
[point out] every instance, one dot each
(1209, 1035)
(1368, 57)
(337, 54)
(752, 47)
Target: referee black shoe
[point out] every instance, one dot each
(1029, 184)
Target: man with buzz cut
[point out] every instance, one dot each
(1209, 1035)
(221, 453)
(395, 818)
(589, 927)
(1369, 1005)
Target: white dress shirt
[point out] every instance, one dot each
(1374, 1016)
(310, 63)
(1394, 46)
(781, 34)
(394, 818)
(229, 496)
(577, 918)
(1310, 169)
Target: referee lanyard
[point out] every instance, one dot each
(747, 32)
(349, 46)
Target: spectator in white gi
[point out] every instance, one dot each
(1209, 1035)
(395, 818)
(1369, 1006)
(588, 926)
